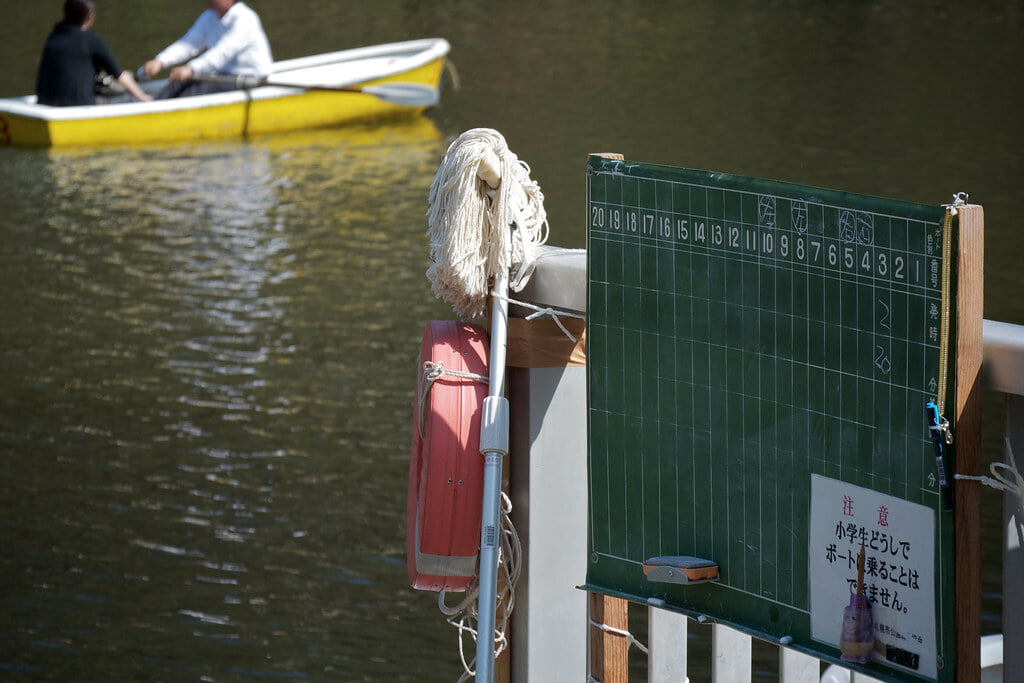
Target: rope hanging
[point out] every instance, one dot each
(1005, 477)
(463, 616)
(486, 216)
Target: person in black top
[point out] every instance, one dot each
(73, 56)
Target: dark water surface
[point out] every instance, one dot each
(207, 351)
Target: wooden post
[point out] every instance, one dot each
(502, 668)
(609, 652)
(969, 388)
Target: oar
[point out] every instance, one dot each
(402, 93)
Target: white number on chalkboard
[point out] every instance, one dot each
(898, 265)
(734, 237)
(882, 360)
(817, 249)
(716, 235)
(682, 232)
(616, 220)
(883, 264)
(597, 216)
(784, 245)
(884, 322)
(701, 237)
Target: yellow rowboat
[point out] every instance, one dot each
(310, 92)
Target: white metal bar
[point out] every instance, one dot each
(796, 667)
(1013, 548)
(1003, 367)
(666, 638)
(730, 655)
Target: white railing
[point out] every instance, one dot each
(1003, 370)
(552, 535)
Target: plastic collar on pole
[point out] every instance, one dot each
(494, 426)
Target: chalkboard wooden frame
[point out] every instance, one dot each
(654, 219)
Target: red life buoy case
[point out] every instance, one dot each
(446, 469)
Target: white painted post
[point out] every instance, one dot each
(1013, 549)
(549, 508)
(666, 659)
(796, 667)
(1004, 371)
(730, 655)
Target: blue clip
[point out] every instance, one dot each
(939, 429)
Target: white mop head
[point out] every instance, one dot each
(477, 230)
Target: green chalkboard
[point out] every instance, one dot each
(759, 359)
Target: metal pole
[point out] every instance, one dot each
(493, 447)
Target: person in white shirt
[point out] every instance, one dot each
(227, 39)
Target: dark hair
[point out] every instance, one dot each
(77, 11)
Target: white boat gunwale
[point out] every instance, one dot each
(395, 58)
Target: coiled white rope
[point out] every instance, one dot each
(479, 184)
(463, 616)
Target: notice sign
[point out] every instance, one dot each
(894, 623)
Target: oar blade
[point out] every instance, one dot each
(406, 94)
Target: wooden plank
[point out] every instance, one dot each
(609, 652)
(969, 389)
(502, 669)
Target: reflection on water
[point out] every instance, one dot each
(199, 423)
(206, 351)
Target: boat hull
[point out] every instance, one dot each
(239, 113)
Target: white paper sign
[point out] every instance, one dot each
(899, 573)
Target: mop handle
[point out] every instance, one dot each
(493, 446)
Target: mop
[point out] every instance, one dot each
(485, 222)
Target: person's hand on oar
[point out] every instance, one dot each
(182, 74)
(149, 69)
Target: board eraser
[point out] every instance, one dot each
(683, 569)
